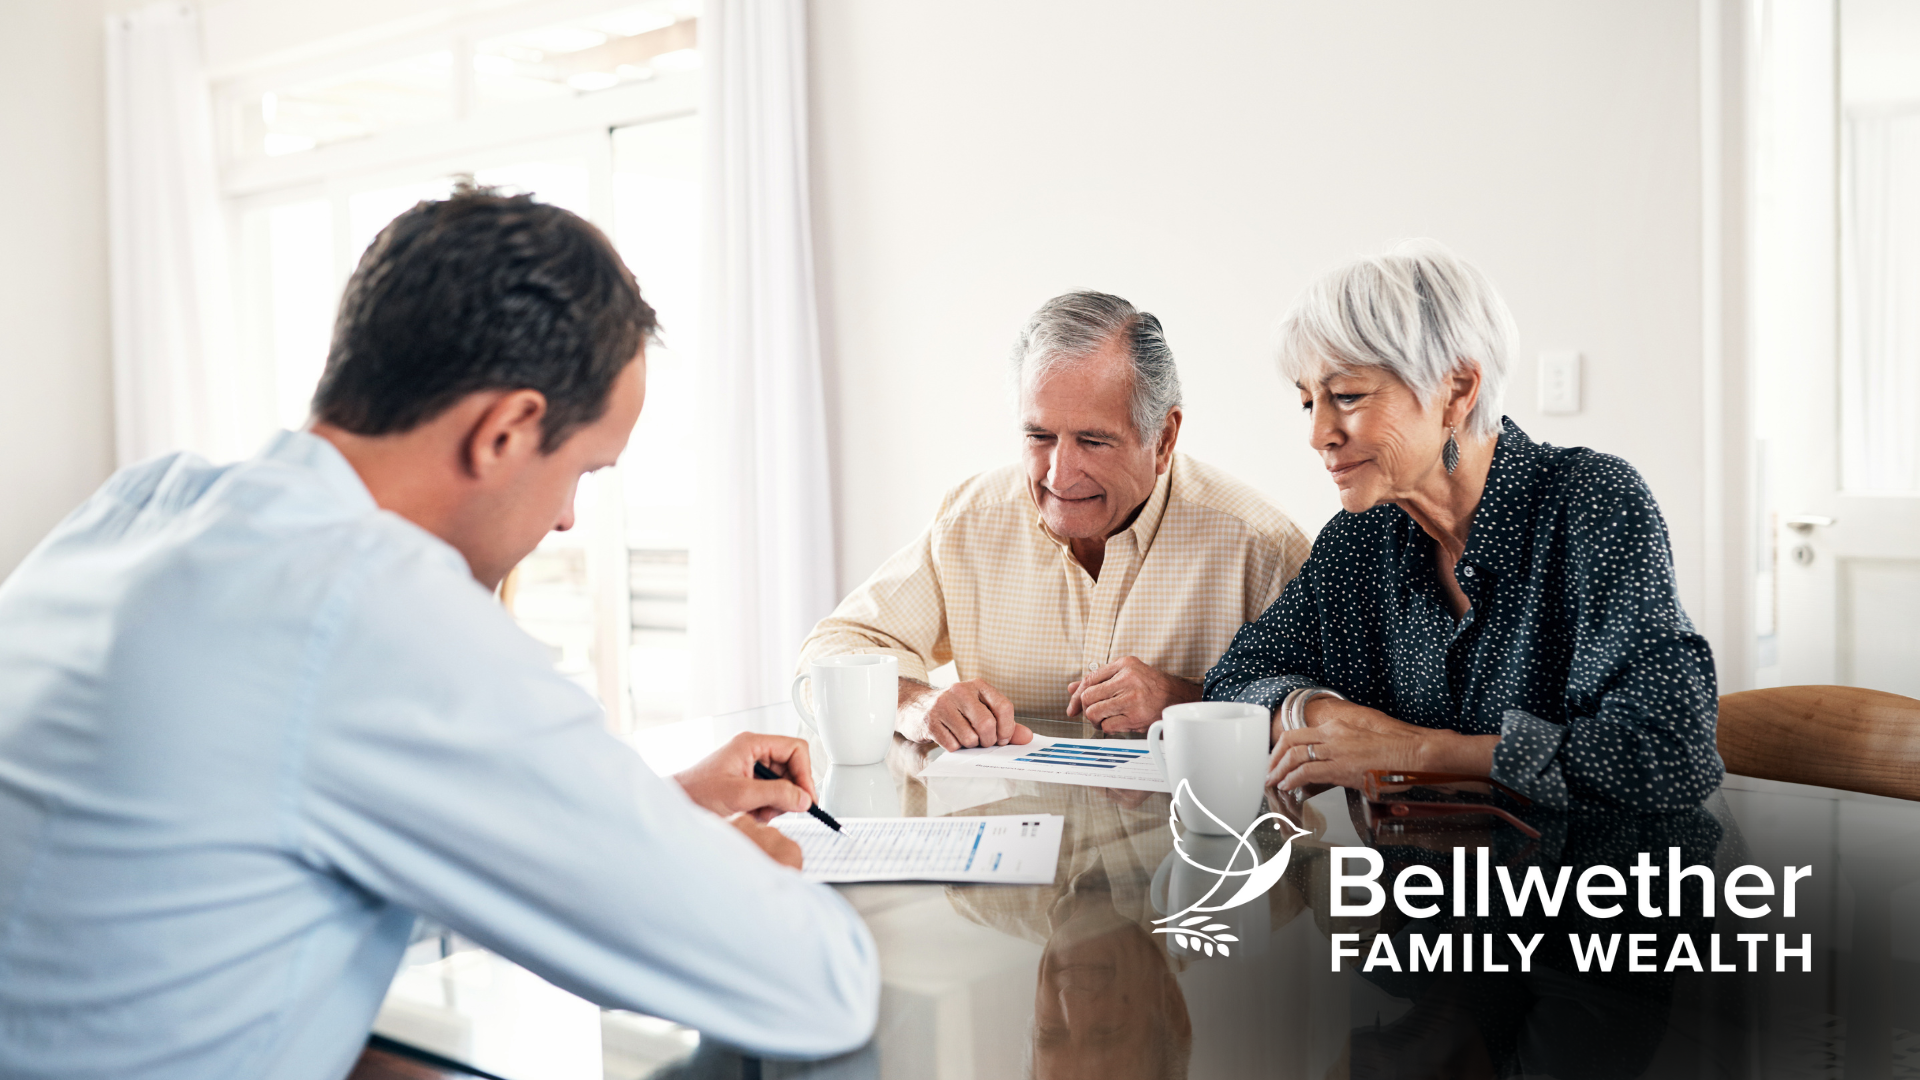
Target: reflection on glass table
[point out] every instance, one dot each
(455, 999)
(1081, 977)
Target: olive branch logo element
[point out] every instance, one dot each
(1193, 926)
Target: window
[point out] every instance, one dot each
(656, 217)
(481, 67)
(597, 115)
(1880, 280)
(348, 105)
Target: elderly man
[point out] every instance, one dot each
(1098, 578)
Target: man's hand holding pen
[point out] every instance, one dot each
(724, 782)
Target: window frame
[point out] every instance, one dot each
(470, 140)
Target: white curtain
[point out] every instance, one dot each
(176, 386)
(763, 563)
(1880, 303)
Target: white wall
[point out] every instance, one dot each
(1880, 47)
(56, 442)
(973, 159)
(1203, 160)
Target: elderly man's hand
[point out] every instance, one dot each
(964, 715)
(1127, 695)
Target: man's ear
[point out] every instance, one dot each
(1163, 449)
(507, 432)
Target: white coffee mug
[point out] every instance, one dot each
(1220, 749)
(855, 698)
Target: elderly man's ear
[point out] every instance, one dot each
(1169, 434)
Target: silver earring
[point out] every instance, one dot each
(1450, 453)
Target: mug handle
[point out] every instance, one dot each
(800, 703)
(1157, 750)
(1157, 889)
(1156, 739)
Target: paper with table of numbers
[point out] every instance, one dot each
(1012, 849)
(1114, 763)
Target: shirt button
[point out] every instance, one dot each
(1467, 571)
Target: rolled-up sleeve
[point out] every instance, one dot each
(900, 611)
(1527, 758)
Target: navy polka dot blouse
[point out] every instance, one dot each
(1575, 652)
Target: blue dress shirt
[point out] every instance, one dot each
(251, 724)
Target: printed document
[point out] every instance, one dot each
(1113, 763)
(1015, 849)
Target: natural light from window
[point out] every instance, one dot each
(616, 584)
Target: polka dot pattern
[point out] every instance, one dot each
(1576, 650)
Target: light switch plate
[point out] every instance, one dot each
(1560, 382)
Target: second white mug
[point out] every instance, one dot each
(1220, 749)
(855, 698)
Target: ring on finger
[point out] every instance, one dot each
(1311, 755)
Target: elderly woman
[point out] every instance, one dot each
(1484, 603)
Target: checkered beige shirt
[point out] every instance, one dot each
(989, 587)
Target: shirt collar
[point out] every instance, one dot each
(1513, 481)
(306, 450)
(1146, 524)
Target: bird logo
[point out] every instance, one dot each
(1194, 927)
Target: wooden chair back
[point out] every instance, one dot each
(1832, 736)
(385, 1065)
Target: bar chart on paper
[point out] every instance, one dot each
(1008, 849)
(1110, 763)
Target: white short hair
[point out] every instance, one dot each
(1419, 311)
(1073, 326)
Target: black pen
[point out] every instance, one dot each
(822, 816)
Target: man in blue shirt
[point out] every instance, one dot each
(254, 718)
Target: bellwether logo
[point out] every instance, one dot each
(1193, 927)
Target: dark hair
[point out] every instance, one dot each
(482, 291)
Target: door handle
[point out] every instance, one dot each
(1805, 523)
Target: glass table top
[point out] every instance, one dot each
(1557, 956)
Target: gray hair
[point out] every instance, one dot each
(1069, 328)
(1419, 311)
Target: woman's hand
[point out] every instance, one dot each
(1343, 741)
